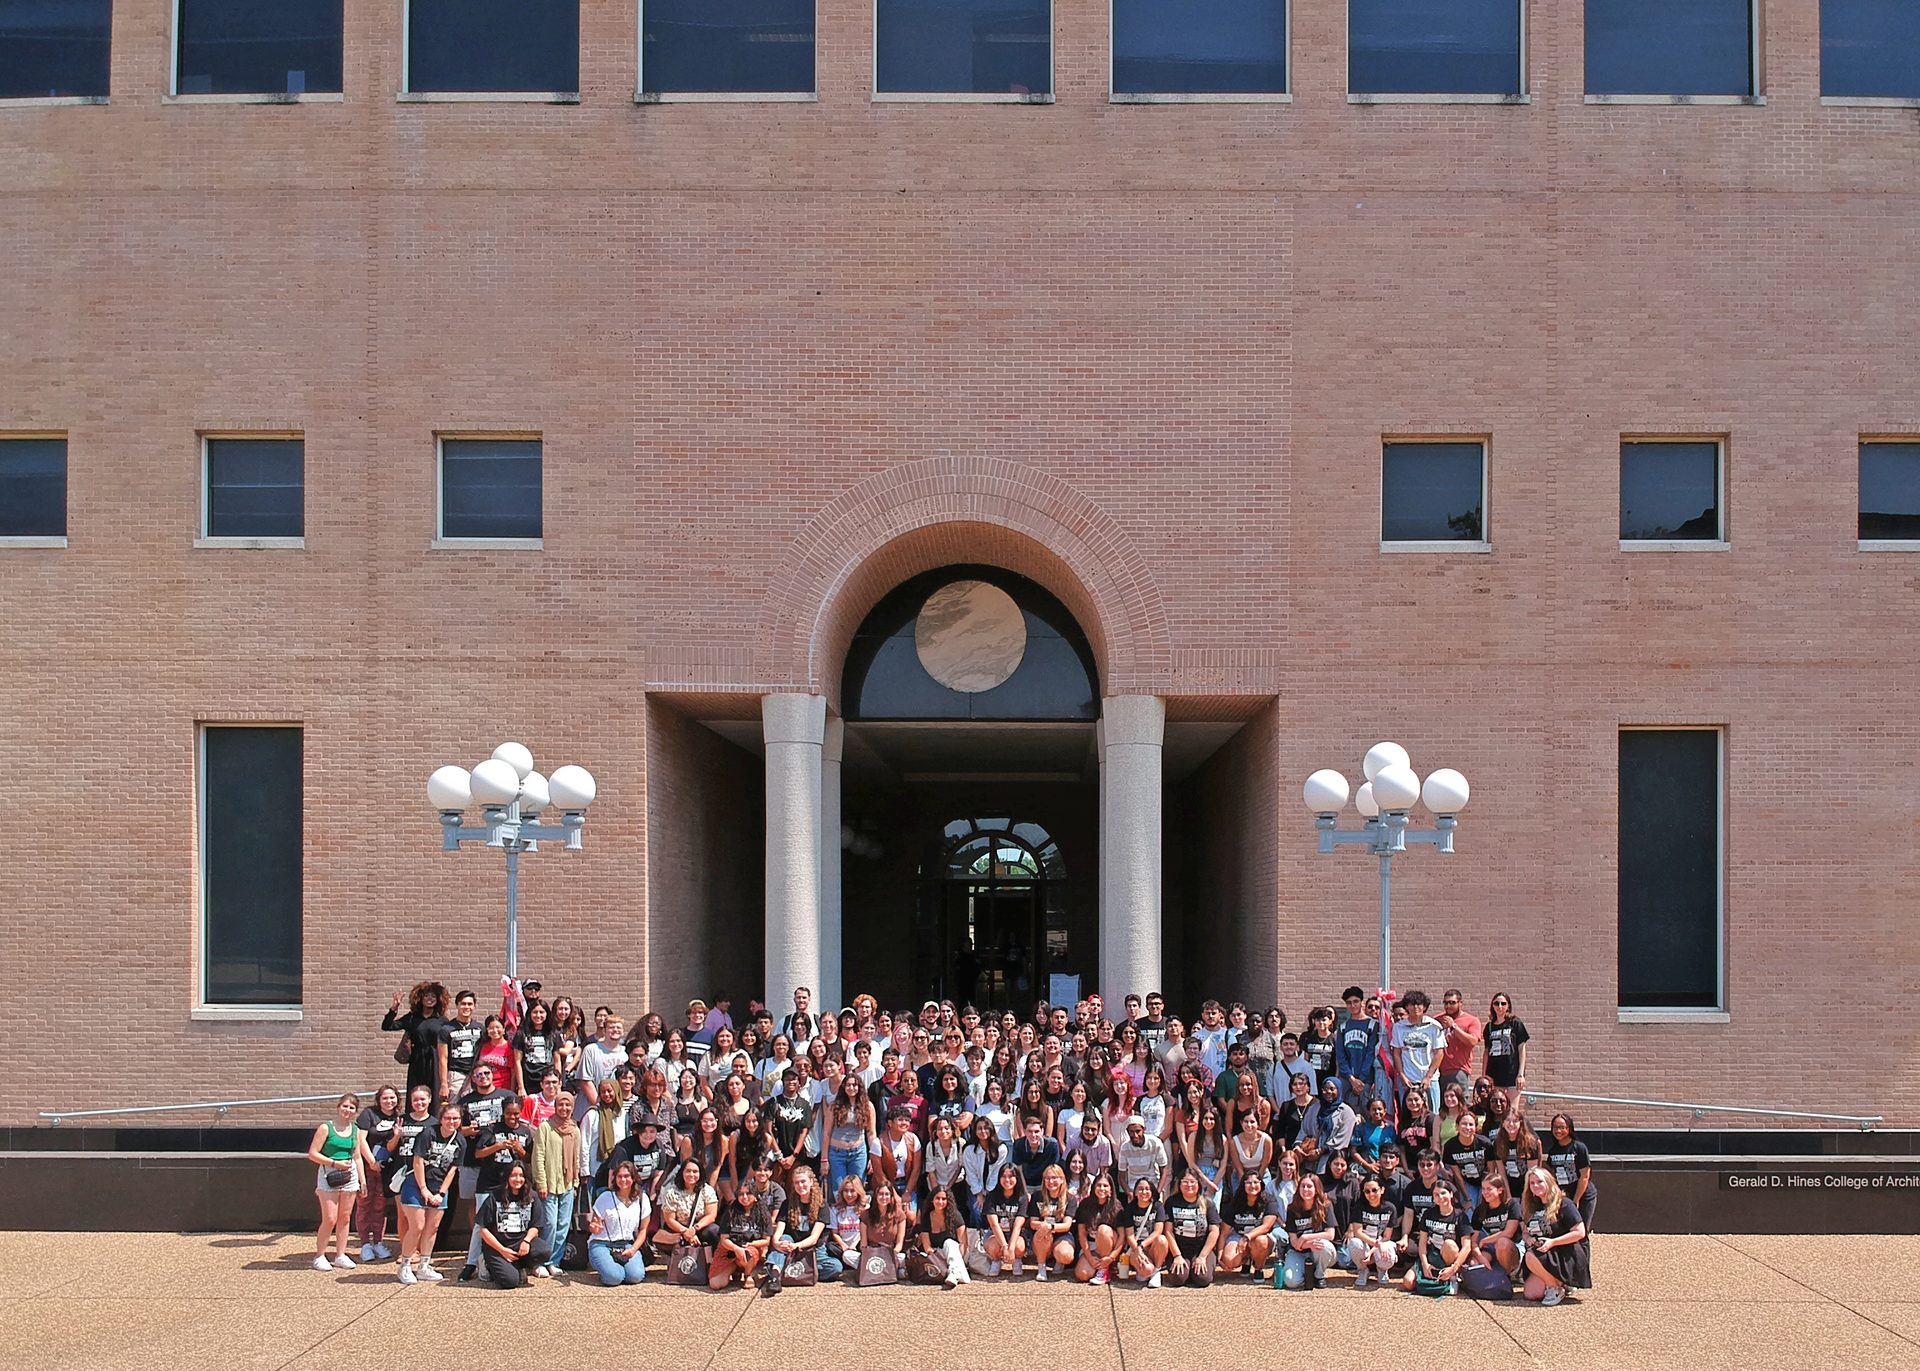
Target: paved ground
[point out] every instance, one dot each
(250, 1301)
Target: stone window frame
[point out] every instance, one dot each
(1878, 544)
(408, 96)
(201, 1009)
(443, 543)
(43, 541)
(1756, 71)
(175, 97)
(1722, 446)
(203, 538)
(1431, 545)
(1687, 1014)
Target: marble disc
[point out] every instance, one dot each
(970, 636)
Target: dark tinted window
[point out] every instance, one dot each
(490, 488)
(33, 487)
(964, 46)
(53, 47)
(1199, 47)
(1870, 48)
(1670, 490)
(1670, 47)
(258, 47)
(1670, 868)
(726, 45)
(256, 487)
(1433, 47)
(250, 793)
(493, 45)
(1890, 490)
(1430, 492)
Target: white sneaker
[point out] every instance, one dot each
(1555, 1293)
(320, 1263)
(1040, 1273)
(993, 1268)
(1360, 1280)
(406, 1274)
(343, 1262)
(1019, 1267)
(427, 1273)
(1153, 1281)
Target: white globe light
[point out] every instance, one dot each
(572, 787)
(515, 756)
(1325, 792)
(1445, 791)
(449, 789)
(1383, 755)
(495, 782)
(533, 792)
(1396, 787)
(1363, 801)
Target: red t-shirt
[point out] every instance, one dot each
(1458, 1053)
(499, 1056)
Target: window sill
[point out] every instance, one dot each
(1127, 97)
(28, 101)
(1674, 545)
(254, 544)
(1870, 101)
(486, 97)
(29, 540)
(1437, 546)
(725, 97)
(1675, 1016)
(489, 544)
(1888, 545)
(246, 1013)
(1676, 99)
(1362, 98)
(309, 97)
(960, 97)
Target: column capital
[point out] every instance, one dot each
(793, 718)
(1132, 720)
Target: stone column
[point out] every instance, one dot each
(794, 727)
(1098, 982)
(1132, 730)
(828, 995)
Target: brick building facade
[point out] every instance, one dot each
(782, 357)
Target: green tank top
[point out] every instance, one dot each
(338, 1147)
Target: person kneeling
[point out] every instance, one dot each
(746, 1233)
(1556, 1241)
(1309, 1236)
(509, 1231)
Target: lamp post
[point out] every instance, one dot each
(511, 796)
(1390, 791)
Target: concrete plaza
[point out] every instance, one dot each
(242, 1301)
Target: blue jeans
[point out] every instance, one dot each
(611, 1270)
(1293, 1270)
(843, 1162)
(556, 1221)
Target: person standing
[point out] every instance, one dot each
(1506, 1047)
(336, 1149)
(420, 1024)
(1417, 1045)
(1463, 1034)
(556, 1180)
(379, 1125)
(1356, 1051)
(457, 1048)
(435, 1168)
(1566, 1156)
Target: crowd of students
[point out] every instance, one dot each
(1385, 1140)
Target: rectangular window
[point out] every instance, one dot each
(1670, 492)
(493, 46)
(1433, 492)
(963, 47)
(255, 488)
(746, 47)
(1670, 47)
(257, 47)
(250, 865)
(33, 487)
(490, 488)
(1434, 47)
(1870, 49)
(1199, 47)
(54, 48)
(1670, 868)
(1890, 491)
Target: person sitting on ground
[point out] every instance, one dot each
(1441, 1239)
(1556, 1240)
(509, 1228)
(746, 1232)
(617, 1248)
(1309, 1235)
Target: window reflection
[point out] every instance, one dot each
(1670, 491)
(258, 47)
(494, 45)
(1870, 49)
(1199, 47)
(1433, 47)
(1669, 47)
(54, 47)
(979, 47)
(1430, 493)
(745, 46)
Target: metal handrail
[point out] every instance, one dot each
(220, 1107)
(1700, 1111)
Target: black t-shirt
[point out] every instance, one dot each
(1191, 1220)
(1092, 1213)
(379, 1128)
(463, 1043)
(536, 1055)
(998, 1204)
(483, 1110)
(748, 1225)
(1377, 1220)
(797, 1220)
(493, 1169)
(1153, 1030)
(1438, 1226)
(440, 1155)
(946, 1109)
(404, 1133)
(1287, 1118)
(1399, 1185)
(1503, 1050)
(1470, 1162)
(792, 1115)
(1419, 1199)
(1047, 1210)
(1142, 1218)
(1319, 1052)
(508, 1220)
(1492, 1220)
(1243, 1215)
(1300, 1221)
(1537, 1226)
(1567, 1162)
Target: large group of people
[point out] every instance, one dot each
(1388, 1139)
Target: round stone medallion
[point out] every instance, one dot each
(970, 636)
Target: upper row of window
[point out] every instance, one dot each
(490, 489)
(1869, 49)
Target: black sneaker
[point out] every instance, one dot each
(468, 1272)
(771, 1285)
